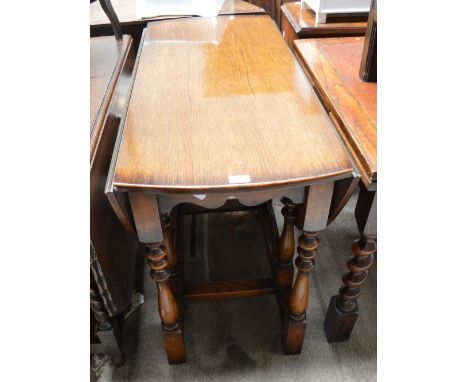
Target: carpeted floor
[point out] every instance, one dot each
(239, 339)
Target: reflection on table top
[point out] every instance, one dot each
(221, 104)
(105, 53)
(126, 11)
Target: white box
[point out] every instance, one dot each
(323, 7)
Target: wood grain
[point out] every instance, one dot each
(210, 102)
(229, 289)
(126, 11)
(333, 66)
(113, 250)
(107, 58)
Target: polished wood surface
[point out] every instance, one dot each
(333, 66)
(113, 250)
(126, 11)
(299, 22)
(107, 58)
(242, 107)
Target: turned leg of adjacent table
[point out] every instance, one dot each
(316, 209)
(173, 262)
(284, 265)
(343, 309)
(157, 238)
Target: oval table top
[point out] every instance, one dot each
(221, 104)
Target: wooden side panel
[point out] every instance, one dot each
(114, 249)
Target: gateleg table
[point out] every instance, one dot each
(333, 67)
(216, 116)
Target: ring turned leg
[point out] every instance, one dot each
(296, 321)
(343, 309)
(284, 266)
(168, 311)
(173, 264)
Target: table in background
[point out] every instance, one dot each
(333, 67)
(126, 11)
(113, 250)
(298, 21)
(234, 119)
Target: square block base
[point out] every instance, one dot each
(293, 335)
(174, 345)
(338, 325)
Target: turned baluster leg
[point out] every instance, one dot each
(173, 264)
(296, 324)
(157, 257)
(284, 269)
(152, 232)
(172, 259)
(343, 309)
(312, 218)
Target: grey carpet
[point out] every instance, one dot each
(239, 339)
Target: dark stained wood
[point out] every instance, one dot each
(167, 306)
(368, 69)
(299, 22)
(271, 7)
(108, 57)
(343, 309)
(342, 192)
(237, 80)
(229, 289)
(333, 66)
(305, 261)
(106, 331)
(108, 9)
(172, 258)
(287, 244)
(113, 251)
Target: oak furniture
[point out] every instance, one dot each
(131, 24)
(234, 121)
(299, 21)
(113, 249)
(333, 67)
